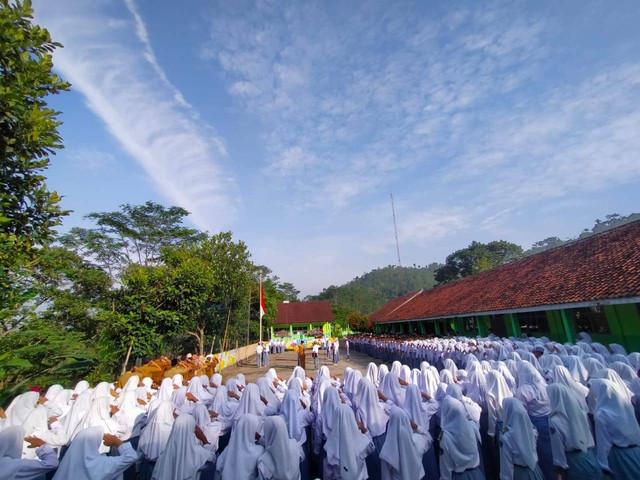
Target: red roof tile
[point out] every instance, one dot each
(600, 267)
(304, 312)
(392, 305)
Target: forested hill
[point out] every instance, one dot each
(369, 292)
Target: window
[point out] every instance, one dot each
(591, 320)
(470, 324)
(533, 322)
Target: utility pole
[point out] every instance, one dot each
(395, 228)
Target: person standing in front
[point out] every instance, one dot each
(259, 354)
(346, 346)
(314, 353)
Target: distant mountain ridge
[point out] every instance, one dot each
(369, 292)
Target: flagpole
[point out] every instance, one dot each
(260, 307)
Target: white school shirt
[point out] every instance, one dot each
(259, 349)
(315, 349)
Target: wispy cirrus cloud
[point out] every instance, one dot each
(352, 102)
(109, 59)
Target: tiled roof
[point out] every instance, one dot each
(600, 267)
(392, 305)
(304, 312)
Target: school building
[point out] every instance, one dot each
(302, 317)
(591, 285)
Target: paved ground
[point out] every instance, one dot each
(284, 363)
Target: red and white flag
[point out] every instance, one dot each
(263, 308)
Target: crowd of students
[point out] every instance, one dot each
(446, 408)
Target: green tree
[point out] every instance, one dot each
(210, 282)
(28, 137)
(134, 234)
(477, 258)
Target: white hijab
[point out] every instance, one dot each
(20, 408)
(346, 443)
(565, 405)
(265, 391)
(519, 433)
(399, 449)
(35, 424)
(416, 409)
(77, 413)
(83, 459)
(183, 456)
(249, 403)
(197, 390)
(369, 410)
(281, 452)
(98, 415)
(459, 438)
(242, 454)
(290, 412)
(330, 403)
(392, 389)
(11, 439)
(497, 391)
(155, 434)
(372, 373)
(614, 411)
(561, 375)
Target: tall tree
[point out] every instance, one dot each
(210, 281)
(28, 137)
(477, 258)
(137, 233)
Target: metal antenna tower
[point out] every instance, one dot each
(393, 212)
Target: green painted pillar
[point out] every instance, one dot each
(422, 329)
(271, 331)
(291, 330)
(512, 325)
(483, 325)
(569, 325)
(437, 324)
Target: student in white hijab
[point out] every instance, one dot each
(13, 467)
(382, 372)
(210, 428)
(154, 437)
(295, 417)
(99, 414)
(372, 373)
(239, 461)
(560, 375)
(518, 457)
(283, 455)
(401, 455)
(184, 457)
(266, 392)
(497, 391)
(18, 410)
(249, 403)
(617, 433)
(532, 392)
(347, 447)
(196, 389)
(459, 455)
(421, 414)
(36, 424)
(130, 413)
(62, 429)
(392, 390)
(372, 413)
(83, 460)
(571, 440)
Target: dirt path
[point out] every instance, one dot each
(284, 363)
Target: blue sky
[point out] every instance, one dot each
(290, 122)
